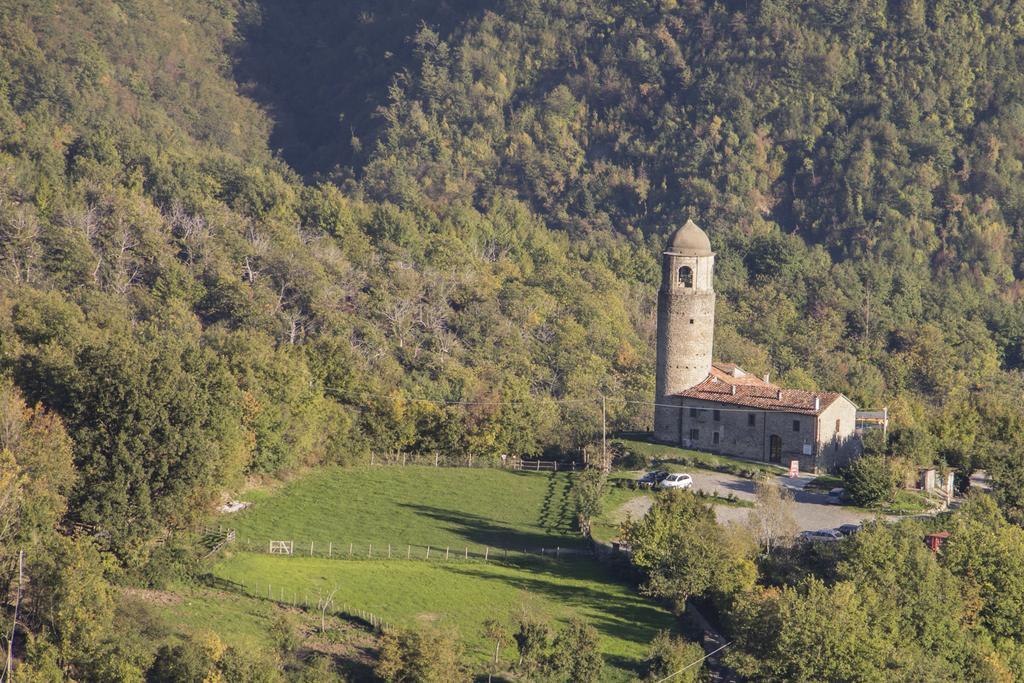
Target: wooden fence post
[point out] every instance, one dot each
(311, 548)
(408, 552)
(435, 458)
(350, 550)
(486, 553)
(389, 551)
(446, 549)
(330, 549)
(467, 552)
(370, 552)
(428, 552)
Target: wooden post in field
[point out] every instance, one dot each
(435, 458)
(350, 550)
(370, 552)
(408, 552)
(446, 549)
(403, 458)
(486, 553)
(428, 552)
(467, 552)
(311, 548)
(556, 466)
(389, 551)
(330, 549)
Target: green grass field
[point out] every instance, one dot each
(415, 505)
(440, 507)
(464, 594)
(674, 458)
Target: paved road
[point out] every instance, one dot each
(813, 511)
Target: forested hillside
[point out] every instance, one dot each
(236, 237)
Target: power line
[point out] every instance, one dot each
(693, 663)
(547, 399)
(468, 403)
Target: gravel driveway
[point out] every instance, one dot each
(812, 510)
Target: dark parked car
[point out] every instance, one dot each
(848, 529)
(651, 479)
(837, 496)
(823, 536)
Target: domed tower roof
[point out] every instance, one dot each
(690, 240)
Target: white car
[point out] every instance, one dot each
(677, 481)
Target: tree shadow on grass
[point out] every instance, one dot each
(631, 619)
(478, 530)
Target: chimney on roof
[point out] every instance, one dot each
(817, 403)
(733, 389)
(778, 395)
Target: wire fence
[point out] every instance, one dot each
(406, 551)
(313, 600)
(499, 462)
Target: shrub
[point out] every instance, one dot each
(575, 653)
(630, 460)
(871, 480)
(669, 655)
(425, 655)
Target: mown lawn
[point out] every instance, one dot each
(415, 505)
(674, 458)
(465, 593)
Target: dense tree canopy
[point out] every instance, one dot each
(244, 236)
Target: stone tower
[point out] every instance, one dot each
(686, 323)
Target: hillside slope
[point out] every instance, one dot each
(196, 312)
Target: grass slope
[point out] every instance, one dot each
(684, 458)
(416, 505)
(464, 594)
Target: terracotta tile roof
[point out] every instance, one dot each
(761, 396)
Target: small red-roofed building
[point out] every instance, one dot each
(935, 540)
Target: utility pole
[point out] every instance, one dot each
(604, 433)
(8, 672)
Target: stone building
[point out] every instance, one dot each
(718, 407)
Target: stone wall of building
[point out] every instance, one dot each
(838, 441)
(726, 429)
